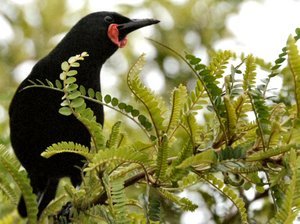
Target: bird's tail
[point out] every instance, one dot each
(22, 207)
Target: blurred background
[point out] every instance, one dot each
(29, 29)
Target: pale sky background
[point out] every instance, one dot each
(260, 28)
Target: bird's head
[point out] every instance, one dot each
(102, 33)
(119, 26)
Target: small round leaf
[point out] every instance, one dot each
(122, 106)
(135, 113)
(70, 80)
(74, 95)
(72, 73)
(65, 66)
(82, 90)
(58, 84)
(66, 111)
(114, 101)
(98, 96)
(128, 108)
(77, 102)
(91, 93)
(107, 99)
(142, 119)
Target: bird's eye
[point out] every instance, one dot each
(108, 19)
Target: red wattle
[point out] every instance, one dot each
(113, 34)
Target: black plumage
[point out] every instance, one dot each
(35, 122)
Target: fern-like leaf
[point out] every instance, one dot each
(53, 207)
(219, 62)
(153, 104)
(95, 129)
(67, 147)
(115, 136)
(122, 154)
(262, 114)
(177, 101)
(250, 74)
(12, 166)
(200, 161)
(229, 193)
(7, 190)
(184, 203)
(294, 65)
(173, 172)
(261, 155)
(196, 99)
(290, 208)
(119, 201)
(193, 127)
(162, 158)
(154, 206)
(231, 116)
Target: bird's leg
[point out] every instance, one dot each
(47, 194)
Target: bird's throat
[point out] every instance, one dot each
(113, 34)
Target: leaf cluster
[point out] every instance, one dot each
(228, 152)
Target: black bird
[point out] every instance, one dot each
(35, 122)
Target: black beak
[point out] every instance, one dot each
(133, 25)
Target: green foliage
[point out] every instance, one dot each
(290, 208)
(53, 208)
(227, 151)
(294, 65)
(63, 147)
(162, 158)
(177, 101)
(12, 166)
(230, 194)
(153, 104)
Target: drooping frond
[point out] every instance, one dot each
(229, 193)
(12, 166)
(294, 65)
(115, 136)
(178, 99)
(67, 147)
(153, 104)
(119, 201)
